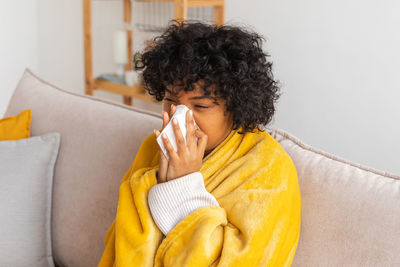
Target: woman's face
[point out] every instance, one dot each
(208, 112)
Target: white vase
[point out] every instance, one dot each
(131, 77)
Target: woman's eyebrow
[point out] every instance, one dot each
(196, 97)
(203, 96)
(214, 99)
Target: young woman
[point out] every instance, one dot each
(231, 198)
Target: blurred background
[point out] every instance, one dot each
(338, 62)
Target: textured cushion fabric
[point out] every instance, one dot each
(26, 176)
(99, 142)
(350, 213)
(16, 127)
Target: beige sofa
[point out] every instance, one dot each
(350, 213)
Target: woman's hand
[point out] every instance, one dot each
(189, 157)
(162, 160)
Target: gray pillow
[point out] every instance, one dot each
(26, 177)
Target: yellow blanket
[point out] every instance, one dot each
(257, 223)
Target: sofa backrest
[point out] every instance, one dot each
(99, 141)
(350, 214)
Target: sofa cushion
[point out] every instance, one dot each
(99, 142)
(350, 213)
(26, 168)
(16, 127)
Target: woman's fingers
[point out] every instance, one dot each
(165, 119)
(172, 110)
(202, 142)
(168, 146)
(163, 162)
(190, 135)
(180, 140)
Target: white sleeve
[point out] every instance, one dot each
(170, 202)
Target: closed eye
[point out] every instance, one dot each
(198, 106)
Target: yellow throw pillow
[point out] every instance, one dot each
(16, 127)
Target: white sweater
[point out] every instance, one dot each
(170, 202)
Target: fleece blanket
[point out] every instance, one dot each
(256, 224)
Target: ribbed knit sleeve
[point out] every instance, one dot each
(170, 202)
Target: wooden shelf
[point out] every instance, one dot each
(135, 91)
(192, 3)
(199, 3)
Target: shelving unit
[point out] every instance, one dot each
(136, 91)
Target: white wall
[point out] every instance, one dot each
(339, 65)
(337, 61)
(18, 44)
(61, 44)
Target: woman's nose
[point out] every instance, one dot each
(177, 103)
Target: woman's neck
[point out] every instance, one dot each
(222, 139)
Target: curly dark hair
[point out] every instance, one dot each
(230, 57)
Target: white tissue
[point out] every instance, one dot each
(180, 115)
